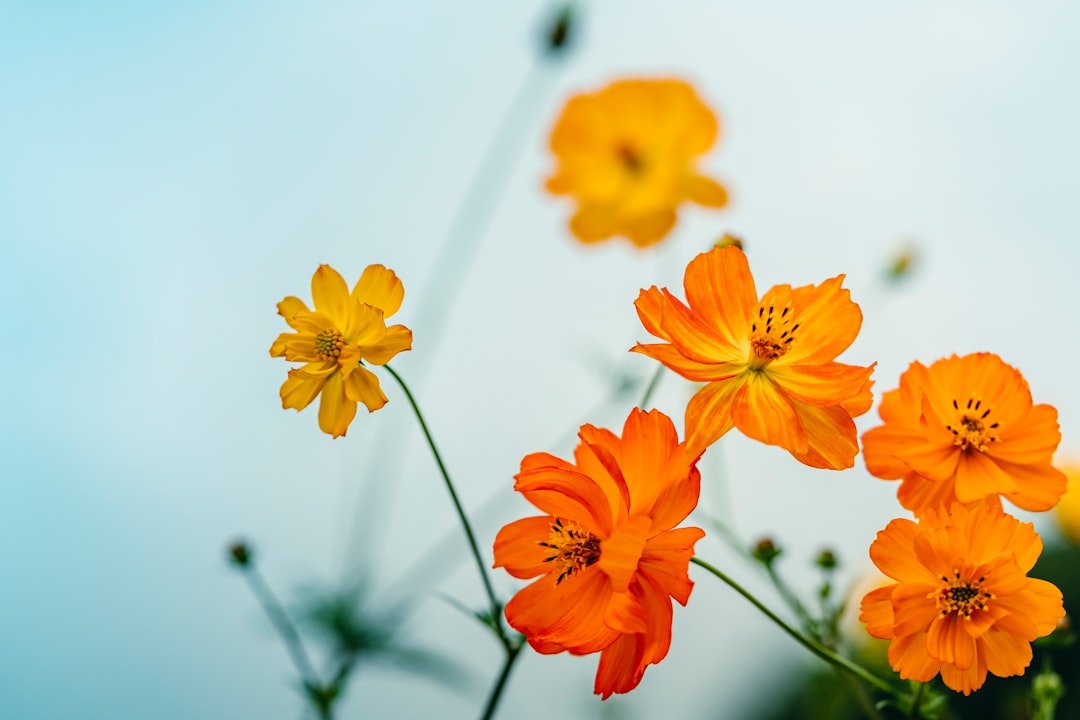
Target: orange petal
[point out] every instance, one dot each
(649, 441)
(763, 412)
(595, 457)
(876, 612)
(917, 493)
(620, 552)
(300, 388)
(1004, 654)
(518, 549)
(709, 413)
(947, 641)
(594, 223)
(336, 411)
(666, 558)
(828, 322)
(977, 476)
(626, 614)
(569, 614)
(830, 383)
(618, 671)
(569, 495)
(672, 359)
(295, 347)
(290, 307)
(379, 287)
(331, 295)
(1039, 486)
(908, 656)
(696, 336)
(650, 310)
(912, 611)
(1033, 441)
(720, 287)
(893, 551)
(832, 442)
(966, 680)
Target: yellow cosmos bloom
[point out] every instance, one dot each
(626, 154)
(1068, 508)
(769, 363)
(344, 330)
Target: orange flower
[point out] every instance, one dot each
(344, 330)
(1068, 509)
(626, 154)
(962, 603)
(962, 430)
(605, 553)
(769, 364)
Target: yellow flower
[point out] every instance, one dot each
(626, 154)
(1068, 508)
(344, 330)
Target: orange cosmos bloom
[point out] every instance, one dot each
(605, 553)
(627, 153)
(1068, 509)
(962, 603)
(344, 329)
(962, 430)
(769, 364)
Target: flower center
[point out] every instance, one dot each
(973, 427)
(631, 160)
(572, 548)
(771, 335)
(962, 597)
(328, 344)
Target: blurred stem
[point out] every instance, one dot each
(916, 700)
(793, 602)
(496, 613)
(512, 652)
(824, 653)
(281, 622)
(651, 387)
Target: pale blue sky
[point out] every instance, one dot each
(169, 171)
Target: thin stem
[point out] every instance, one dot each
(512, 652)
(916, 701)
(793, 601)
(495, 613)
(651, 387)
(281, 622)
(814, 647)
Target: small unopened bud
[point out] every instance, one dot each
(1046, 689)
(559, 32)
(826, 560)
(765, 551)
(902, 263)
(729, 240)
(240, 554)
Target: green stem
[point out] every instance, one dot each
(280, 620)
(822, 652)
(917, 699)
(496, 614)
(512, 652)
(793, 602)
(651, 387)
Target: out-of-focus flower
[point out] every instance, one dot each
(769, 363)
(962, 430)
(344, 330)
(1068, 508)
(728, 239)
(962, 603)
(605, 551)
(627, 154)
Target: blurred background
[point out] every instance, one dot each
(169, 171)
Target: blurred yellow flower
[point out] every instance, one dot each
(344, 329)
(626, 154)
(1068, 507)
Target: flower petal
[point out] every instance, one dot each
(336, 411)
(709, 413)
(763, 412)
(566, 494)
(650, 228)
(831, 437)
(363, 386)
(331, 295)
(876, 612)
(379, 287)
(720, 287)
(828, 322)
(704, 191)
(397, 338)
(518, 549)
(569, 613)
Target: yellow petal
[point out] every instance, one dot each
(336, 411)
(331, 295)
(379, 287)
(363, 386)
(705, 191)
(397, 338)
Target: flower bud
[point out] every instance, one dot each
(765, 551)
(826, 560)
(240, 554)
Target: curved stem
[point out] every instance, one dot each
(822, 652)
(512, 652)
(280, 620)
(916, 701)
(651, 387)
(496, 615)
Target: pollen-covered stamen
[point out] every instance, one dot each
(974, 426)
(328, 344)
(771, 334)
(962, 597)
(572, 548)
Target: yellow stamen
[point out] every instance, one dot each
(962, 597)
(328, 344)
(973, 427)
(771, 335)
(573, 548)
